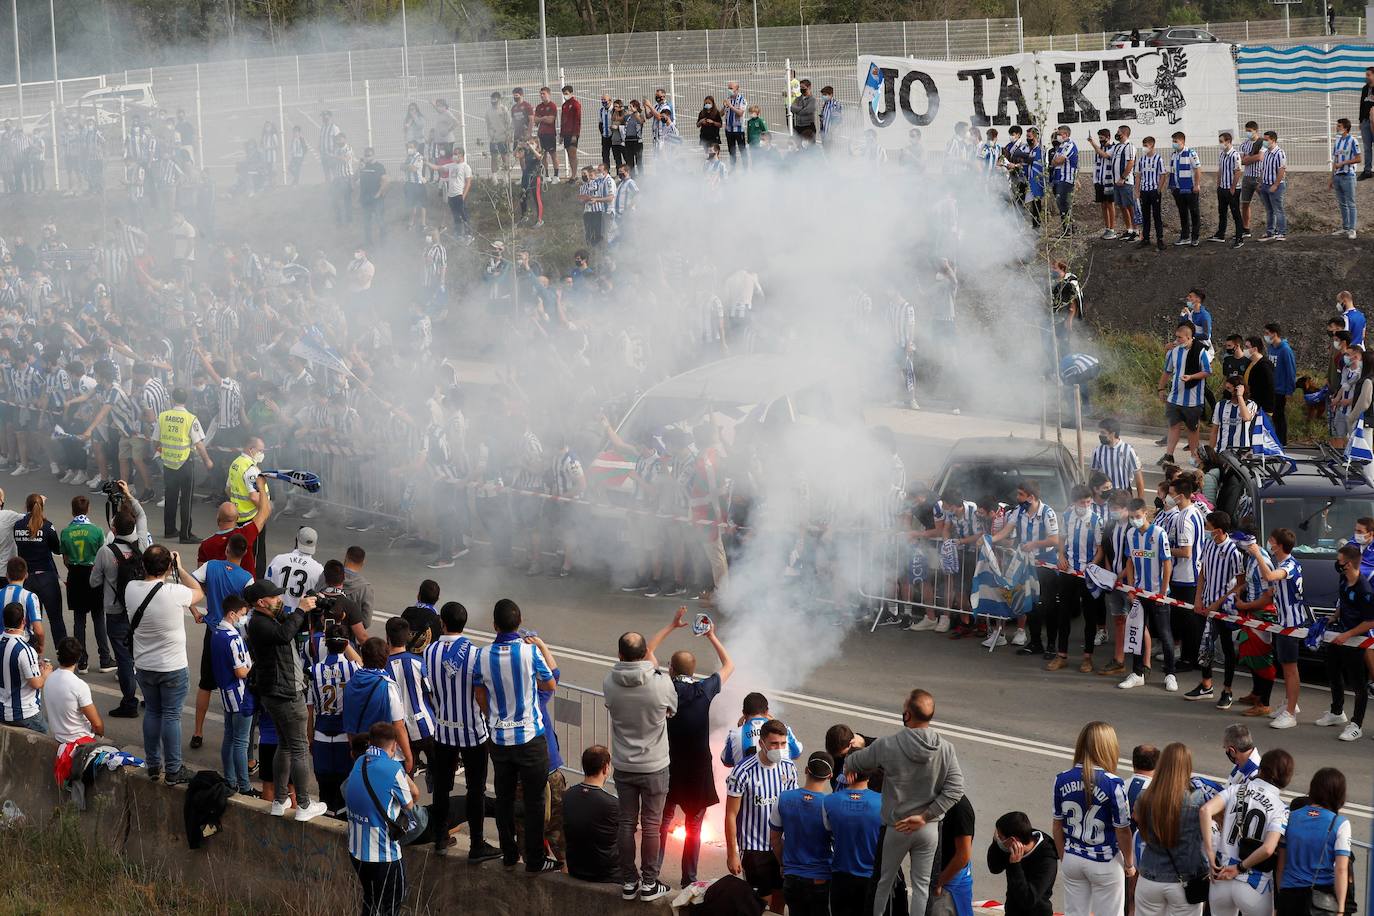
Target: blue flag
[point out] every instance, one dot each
(1263, 439)
(1002, 590)
(1358, 447)
(873, 87)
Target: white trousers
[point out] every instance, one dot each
(1237, 896)
(1096, 888)
(1163, 898)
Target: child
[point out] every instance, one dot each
(755, 127)
(230, 661)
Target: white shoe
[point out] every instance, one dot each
(280, 807)
(1132, 680)
(942, 625)
(1019, 639)
(95, 487)
(911, 404)
(1101, 638)
(313, 513)
(162, 503)
(1171, 683)
(1108, 234)
(993, 641)
(925, 623)
(1352, 733)
(1338, 232)
(1283, 720)
(1332, 718)
(20, 471)
(65, 478)
(1350, 234)
(94, 481)
(1282, 709)
(311, 811)
(54, 468)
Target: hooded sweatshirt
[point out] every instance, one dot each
(369, 697)
(640, 698)
(921, 775)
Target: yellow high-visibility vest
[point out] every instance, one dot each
(239, 494)
(174, 434)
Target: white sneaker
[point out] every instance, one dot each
(311, 811)
(1338, 232)
(942, 625)
(20, 471)
(1101, 638)
(1352, 733)
(1132, 680)
(1283, 720)
(1332, 718)
(54, 468)
(162, 503)
(312, 513)
(280, 807)
(1282, 709)
(1350, 234)
(1171, 683)
(925, 623)
(994, 640)
(94, 482)
(1019, 639)
(1108, 234)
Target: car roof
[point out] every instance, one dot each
(1006, 448)
(1313, 475)
(741, 380)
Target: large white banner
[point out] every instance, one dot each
(1155, 90)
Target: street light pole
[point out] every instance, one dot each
(18, 71)
(52, 26)
(544, 39)
(405, 45)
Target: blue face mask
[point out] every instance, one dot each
(1025, 505)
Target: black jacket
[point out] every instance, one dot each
(276, 668)
(1030, 882)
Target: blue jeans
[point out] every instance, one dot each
(1275, 220)
(34, 722)
(163, 692)
(117, 629)
(233, 752)
(1063, 190)
(1125, 198)
(1344, 186)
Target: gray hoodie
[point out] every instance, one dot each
(640, 699)
(921, 775)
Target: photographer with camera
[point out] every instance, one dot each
(157, 636)
(119, 497)
(116, 564)
(278, 684)
(333, 604)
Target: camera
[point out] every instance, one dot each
(323, 612)
(111, 489)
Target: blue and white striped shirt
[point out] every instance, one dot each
(448, 664)
(328, 677)
(1274, 159)
(1068, 169)
(1149, 166)
(368, 840)
(1149, 551)
(1118, 462)
(1036, 526)
(510, 670)
(27, 384)
(1081, 536)
(966, 525)
(123, 416)
(1228, 163)
(407, 670)
(1122, 170)
(230, 652)
(33, 608)
(734, 120)
(1181, 393)
(18, 665)
(1346, 148)
(1221, 564)
(758, 786)
(1233, 432)
(1288, 597)
(1255, 584)
(1184, 166)
(1102, 166)
(1250, 148)
(603, 119)
(1186, 530)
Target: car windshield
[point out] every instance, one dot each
(1320, 522)
(978, 480)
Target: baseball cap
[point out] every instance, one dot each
(262, 588)
(306, 539)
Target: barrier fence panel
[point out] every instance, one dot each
(580, 719)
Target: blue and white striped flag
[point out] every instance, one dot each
(998, 592)
(872, 91)
(1263, 439)
(1302, 68)
(1358, 447)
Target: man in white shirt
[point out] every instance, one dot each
(7, 519)
(456, 179)
(297, 572)
(158, 611)
(67, 698)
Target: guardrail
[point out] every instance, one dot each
(580, 719)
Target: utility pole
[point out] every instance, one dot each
(18, 71)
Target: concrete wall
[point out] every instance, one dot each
(276, 861)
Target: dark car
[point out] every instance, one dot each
(1177, 35)
(1128, 40)
(995, 465)
(1315, 494)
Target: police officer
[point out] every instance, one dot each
(242, 487)
(178, 432)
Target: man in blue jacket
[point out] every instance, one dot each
(1285, 377)
(371, 696)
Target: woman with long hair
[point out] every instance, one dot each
(1092, 826)
(709, 120)
(1253, 817)
(1168, 814)
(1314, 862)
(36, 543)
(414, 126)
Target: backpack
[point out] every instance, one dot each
(128, 567)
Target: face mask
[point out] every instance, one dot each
(1025, 505)
(1267, 144)
(774, 754)
(1138, 523)
(1082, 511)
(357, 255)
(1170, 502)
(1340, 568)
(1001, 843)
(258, 457)
(1103, 438)
(1345, 361)
(1254, 134)
(1335, 344)
(1178, 146)
(1363, 539)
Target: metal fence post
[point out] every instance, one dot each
(557, 54)
(787, 90)
(1247, 30)
(462, 114)
(200, 134)
(904, 54)
(245, 81)
(806, 37)
(947, 39)
(658, 52)
(857, 50)
(367, 106)
(455, 62)
(197, 77)
(672, 90)
(987, 27)
(281, 140)
(507, 44)
(708, 49)
(298, 85)
(608, 55)
(350, 74)
(56, 154)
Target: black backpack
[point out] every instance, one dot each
(128, 567)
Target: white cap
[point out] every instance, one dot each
(306, 539)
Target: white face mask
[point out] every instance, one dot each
(258, 457)
(1363, 540)
(1170, 502)
(774, 754)
(1082, 511)
(1138, 522)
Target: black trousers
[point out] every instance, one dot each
(446, 757)
(1157, 620)
(384, 886)
(1187, 626)
(850, 894)
(1224, 636)
(1281, 418)
(593, 226)
(179, 489)
(1045, 617)
(1228, 202)
(806, 896)
(1346, 663)
(1151, 210)
(1189, 220)
(1076, 600)
(528, 766)
(735, 143)
(606, 151)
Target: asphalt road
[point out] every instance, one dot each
(1013, 723)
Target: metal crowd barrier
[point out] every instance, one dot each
(580, 719)
(884, 576)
